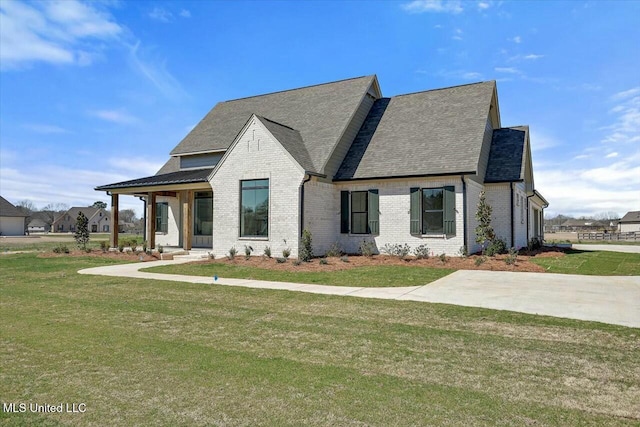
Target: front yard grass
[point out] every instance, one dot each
(146, 352)
(365, 276)
(46, 242)
(599, 263)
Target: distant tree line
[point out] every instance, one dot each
(601, 216)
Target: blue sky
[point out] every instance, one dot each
(100, 92)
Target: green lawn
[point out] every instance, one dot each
(146, 352)
(49, 241)
(379, 276)
(599, 263)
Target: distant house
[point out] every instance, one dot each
(630, 222)
(99, 220)
(11, 219)
(582, 225)
(38, 225)
(351, 166)
(39, 222)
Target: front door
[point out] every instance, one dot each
(203, 219)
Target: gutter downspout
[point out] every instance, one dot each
(464, 209)
(307, 179)
(512, 221)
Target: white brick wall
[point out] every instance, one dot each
(520, 215)
(499, 197)
(172, 236)
(322, 214)
(473, 196)
(395, 216)
(257, 156)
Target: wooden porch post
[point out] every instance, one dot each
(187, 220)
(151, 220)
(114, 221)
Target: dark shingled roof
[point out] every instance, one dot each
(363, 138)
(7, 209)
(437, 132)
(181, 177)
(506, 155)
(319, 113)
(291, 140)
(631, 217)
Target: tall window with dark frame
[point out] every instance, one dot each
(432, 211)
(359, 212)
(162, 217)
(254, 208)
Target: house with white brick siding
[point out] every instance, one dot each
(349, 165)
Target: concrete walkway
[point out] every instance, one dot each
(614, 300)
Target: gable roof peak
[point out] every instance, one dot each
(373, 76)
(263, 118)
(493, 82)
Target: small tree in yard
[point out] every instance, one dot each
(82, 231)
(484, 231)
(306, 251)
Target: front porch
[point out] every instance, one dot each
(178, 209)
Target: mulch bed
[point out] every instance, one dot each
(496, 263)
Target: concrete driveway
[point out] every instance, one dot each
(630, 249)
(607, 299)
(614, 300)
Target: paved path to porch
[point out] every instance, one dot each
(614, 300)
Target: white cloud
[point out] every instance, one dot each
(42, 186)
(114, 116)
(457, 34)
(185, 13)
(528, 57)
(58, 32)
(155, 72)
(625, 128)
(44, 129)
(611, 155)
(161, 14)
(135, 166)
(483, 5)
(620, 174)
(626, 94)
(542, 141)
(509, 70)
(438, 6)
(516, 39)
(471, 75)
(460, 75)
(578, 192)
